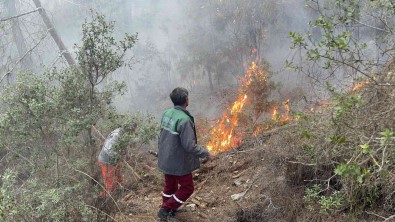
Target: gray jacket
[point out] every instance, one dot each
(178, 150)
(108, 154)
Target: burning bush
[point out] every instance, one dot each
(255, 89)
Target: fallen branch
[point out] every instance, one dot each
(374, 214)
(198, 189)
(127, 197)
(304, 164)
(275, 130)
(133, 171)
(195, 200)
(390, 218)
(237, 175)
(255, 149)
(202, 204)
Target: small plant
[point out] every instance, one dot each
(332, 202)
(313, 198)
(312, 195)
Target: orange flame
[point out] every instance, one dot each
(287, 111)
(275, 113)
(223, 136)
(359, 85)
(285, 117)
(256, 131)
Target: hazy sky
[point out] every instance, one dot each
(159, 23)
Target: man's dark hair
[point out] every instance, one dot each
(179, 96)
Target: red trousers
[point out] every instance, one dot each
(176, 190)
(111, 175)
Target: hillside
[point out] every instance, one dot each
(266, 177)
(295, 100)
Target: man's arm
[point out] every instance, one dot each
(188, 140)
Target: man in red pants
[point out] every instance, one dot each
(109, 161)
(178, 153)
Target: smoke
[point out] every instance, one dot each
(162, 25)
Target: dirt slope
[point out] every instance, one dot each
(254, 171)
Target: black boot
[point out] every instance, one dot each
(165, 214)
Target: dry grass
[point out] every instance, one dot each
(274, 168)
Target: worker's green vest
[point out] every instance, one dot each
(174, 117)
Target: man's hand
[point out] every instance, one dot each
(207, 158)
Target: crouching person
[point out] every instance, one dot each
(178, 154)
(110, 160)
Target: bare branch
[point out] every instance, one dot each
(20, 155)
(370, 26)
(351, 66)
(371, 213)
(390, 218)
(27, 53)
(20, 15)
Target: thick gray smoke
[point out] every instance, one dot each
(162, 26)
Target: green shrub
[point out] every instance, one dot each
(37, 201)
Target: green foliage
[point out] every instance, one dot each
(355, 131)
(314, 198)
(333, 202)
(306, 134)
(139, 129)
(45, 129)
(100, 54)
(350, 170)
(312, 193)
(355, 135)
(34, 201)
(337, 139)
(336, 43)
(387, 136)
(362, 177)
(297, 39)
(344, 103)
(331, 44)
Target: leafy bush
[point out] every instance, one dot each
(46, 130)
(37, 201)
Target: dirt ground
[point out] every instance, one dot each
(257, 172)
(259, 181)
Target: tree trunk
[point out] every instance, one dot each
(63, 50)
(26, 59)
(210, 80)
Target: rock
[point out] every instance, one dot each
(190, 207)
(236, 197)
(237, 182)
